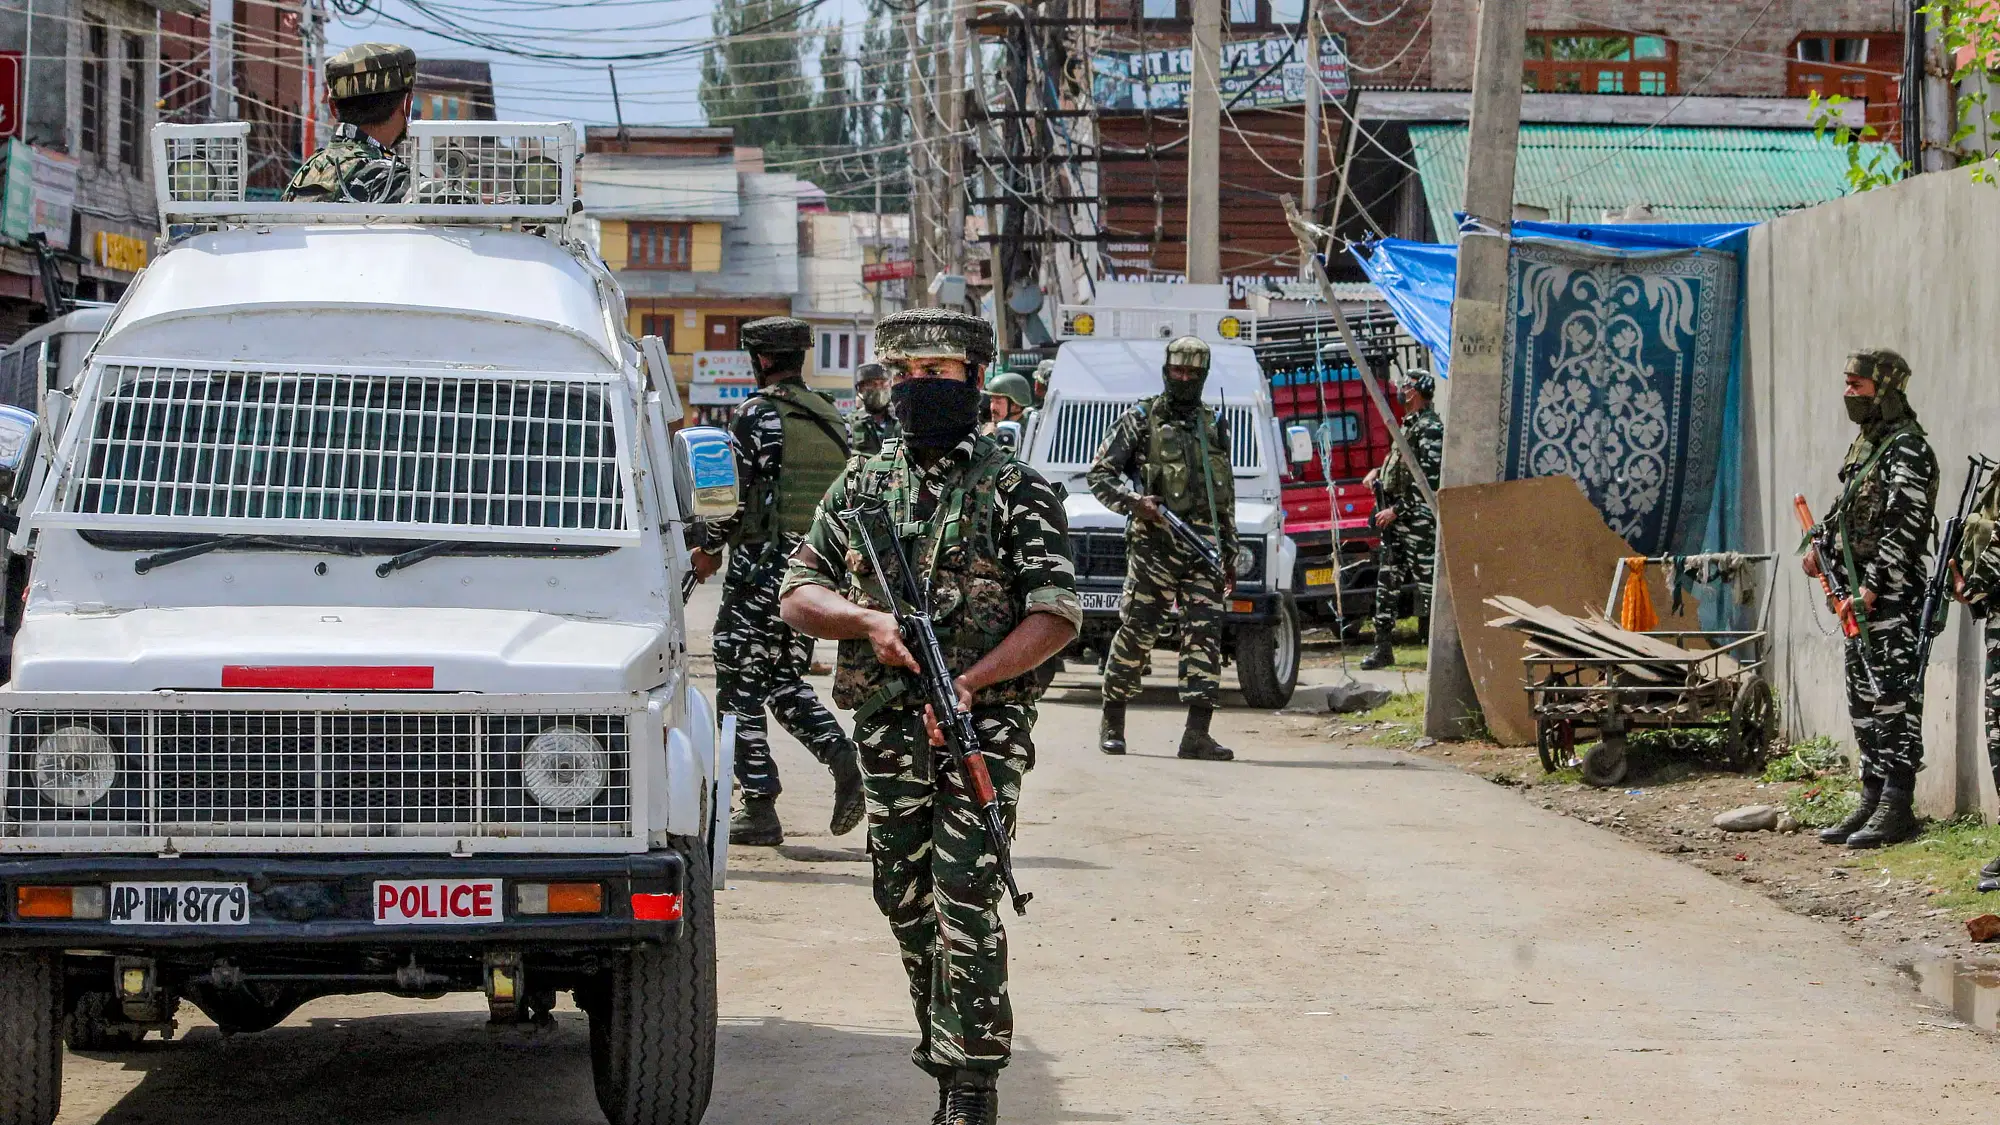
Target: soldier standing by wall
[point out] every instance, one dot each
(872, 424)
(371, 86)
(1409, 527)
(789, 448)
(1881, 530)
(1178, 451)
(991, 535)
(1976, 581)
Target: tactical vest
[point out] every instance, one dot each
(1173, 470)
(972, 599)
(814, 454)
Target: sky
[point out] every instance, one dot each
(653, 92)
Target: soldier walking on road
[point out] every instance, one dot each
(1881, 528)
(371, 87)
(1409, 527)
(1178, 452)
(1976, 582)
(872, 424)
(991, 535)
(790, 446)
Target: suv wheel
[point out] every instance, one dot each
(1267, 658)
(87, 1024)
(31, 1016)
(652, 1024)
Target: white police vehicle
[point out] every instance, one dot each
(1095, 380)
(353, 657)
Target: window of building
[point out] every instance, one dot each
(842, 351)
(1583, 62)
(659, 246)
(1862, 68)
(661, 325)
(131, 103)
(96, 45)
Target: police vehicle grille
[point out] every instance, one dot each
(300, 773)
(1098, 554)
(1081, 426)
(437, 449)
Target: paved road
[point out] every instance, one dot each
(1313, 934)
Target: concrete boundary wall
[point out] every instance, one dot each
(1916, 268)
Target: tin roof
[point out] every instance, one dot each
(1579, 173)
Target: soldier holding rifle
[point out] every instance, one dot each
(1877, 537)
(1976, 582)
(988, 544)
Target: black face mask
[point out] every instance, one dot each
(935, 413)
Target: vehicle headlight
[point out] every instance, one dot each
(75, 766)
(1246, 562)
(564, 768)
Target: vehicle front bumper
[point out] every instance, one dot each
(1254, 607)
(329, 902)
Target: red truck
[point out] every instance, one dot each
(1315, 385)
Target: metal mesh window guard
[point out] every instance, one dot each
(384, 453)
(1081, 427)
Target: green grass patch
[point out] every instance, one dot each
(1810, 760)
(1825, 802)
(1405, 716)
(1947, 858)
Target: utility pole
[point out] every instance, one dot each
(918, 164)
(312, 60)
(1939, 119)
(1478, 324)
(1309, 193)
(618, 106)
(951, 88)
(1204, 246)
(222, 60)
(996, 256)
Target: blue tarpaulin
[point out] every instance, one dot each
(1614, 375)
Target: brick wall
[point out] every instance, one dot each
(1702, 30)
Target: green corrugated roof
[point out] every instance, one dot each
(1579, 172)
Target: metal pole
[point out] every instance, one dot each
(618, 106)
(1478, 322)
(1204, 248)
(952, 90)
(222, 59)
(1939, 119)
(1309, 191)
(920, 211)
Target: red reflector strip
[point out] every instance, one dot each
(656, 908)
(330, 677)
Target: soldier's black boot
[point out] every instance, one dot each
(944, 1101)
(972, 1100)
(1382, 657)
(756, 825)
(1111, 729)
(1895, 819)
(1871, 797)
(1197, 743)
(1989, 875)
(848, 802)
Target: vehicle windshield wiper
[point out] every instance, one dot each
(175, 554)
(415, 555)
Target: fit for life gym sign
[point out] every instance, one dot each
(1255, 73)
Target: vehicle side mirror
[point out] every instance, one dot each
(1008, 434)
(705, 474)
(1298, 444)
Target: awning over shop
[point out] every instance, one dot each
(1579, 173)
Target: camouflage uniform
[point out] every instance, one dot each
(995, 535)
(868, 431)
(353, 167)
(1979, 564)
(1159, 569)
(1409, 545)
(992, 537)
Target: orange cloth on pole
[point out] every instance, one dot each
(1635, 601)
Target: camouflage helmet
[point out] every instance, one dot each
(939, 333)
(1419, 381)
(1044, 371)
(371, 68)
(1890, 371)
(1013, 386)
(776, 334)
(1188, 351)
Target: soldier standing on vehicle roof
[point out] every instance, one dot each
(1408, 526)
(991, 535)
(1178, 451)
(1881, 528)
(1044, 371)
(872, 423)
(371, 87)
(790, 446)
(1976, 582)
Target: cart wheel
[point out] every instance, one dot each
(1604, 763)
(1555, 744)
(1753, 725)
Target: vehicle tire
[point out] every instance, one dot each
(1604, 764)
(86, 1026)
(1267, 659)
(31, 1018)
(1753, 725)
(652, 1027)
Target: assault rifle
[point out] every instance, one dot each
(1937, 591)
(875, 533)
(1194, 541)
(1833, 583)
